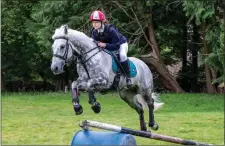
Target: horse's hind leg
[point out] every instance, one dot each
(128, 95)
(150, 102)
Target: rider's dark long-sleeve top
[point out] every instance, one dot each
(112, 38)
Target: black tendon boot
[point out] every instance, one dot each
(126, 68)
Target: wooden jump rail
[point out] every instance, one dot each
(147, 134)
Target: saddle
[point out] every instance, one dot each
(118, 69)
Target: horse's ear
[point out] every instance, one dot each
(66, 29)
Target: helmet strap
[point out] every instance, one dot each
(101, 24)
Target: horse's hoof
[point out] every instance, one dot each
(143, 129)
(78, 109)
(154, 126)
(143, 126)
(96, 107)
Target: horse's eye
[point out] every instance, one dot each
(62, 47)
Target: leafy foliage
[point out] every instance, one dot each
(204, 12)
(27, 28)
(18, 48)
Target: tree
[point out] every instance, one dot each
(157, 32)
(18, 49)
(212, 28)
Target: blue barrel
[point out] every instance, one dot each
(87, 137)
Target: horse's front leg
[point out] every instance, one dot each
(96, 107)
(75, 95)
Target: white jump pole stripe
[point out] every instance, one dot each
(99, 125)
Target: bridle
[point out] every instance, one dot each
(68, 45)
(80, 55)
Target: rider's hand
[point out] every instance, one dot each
(102, 45)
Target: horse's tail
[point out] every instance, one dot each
(157, 102)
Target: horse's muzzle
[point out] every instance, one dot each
(57, 68)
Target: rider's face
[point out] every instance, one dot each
(96, 24)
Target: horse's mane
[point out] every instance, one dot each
(79, 38)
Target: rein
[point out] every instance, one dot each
(80, 55)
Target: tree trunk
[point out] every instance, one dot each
(168, 80)
(45, 84)
(2, 81)
(214, 77)
(184, 77)
(194, 66)
(210, 87)
(66, 80)
(152, 39)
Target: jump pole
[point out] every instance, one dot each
(88, 123)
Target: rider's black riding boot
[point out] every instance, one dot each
(126, 68)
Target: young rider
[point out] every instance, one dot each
(111, 40)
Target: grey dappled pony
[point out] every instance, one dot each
(94, 67)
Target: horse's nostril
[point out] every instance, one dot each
(56, 68)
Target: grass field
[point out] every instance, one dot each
(48, 118)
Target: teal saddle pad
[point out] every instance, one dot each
(133, 70)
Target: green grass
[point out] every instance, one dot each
(48, 118)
